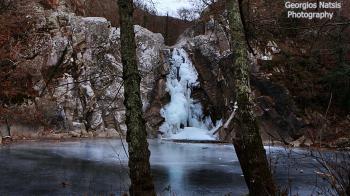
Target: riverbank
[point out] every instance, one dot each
(267, 144)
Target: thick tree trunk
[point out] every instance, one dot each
(247, 141)
(140, 172)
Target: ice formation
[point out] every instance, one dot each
(184, 117)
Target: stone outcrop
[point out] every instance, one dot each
(78, 75)
(159, 97)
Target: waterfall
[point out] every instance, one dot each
(183, 115)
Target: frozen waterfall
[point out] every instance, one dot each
(184, 116)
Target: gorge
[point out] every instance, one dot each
(63, 118)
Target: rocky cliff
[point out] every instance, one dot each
(75, 74)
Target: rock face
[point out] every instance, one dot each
(275, 108)
(159, 96)
(78, 76)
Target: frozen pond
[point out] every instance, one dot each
(99, 167)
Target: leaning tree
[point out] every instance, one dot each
(247, 140)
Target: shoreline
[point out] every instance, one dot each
(76, 139)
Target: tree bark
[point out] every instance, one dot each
(247, 140)
(166, 36)
(348, 187)
(140, 172)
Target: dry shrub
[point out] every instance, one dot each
(26, 114)
(6, 5)
(78, 6)
(50, 4)
(335, 169)
(50, 112)
(15, 29)
(15, 81)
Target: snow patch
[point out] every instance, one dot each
(192, 133)
(95, 19)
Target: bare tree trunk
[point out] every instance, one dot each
(247, 141)
(140, 172)
(167, 29)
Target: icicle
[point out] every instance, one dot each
(183, 113)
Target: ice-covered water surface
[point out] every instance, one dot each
(99, 167)
(184, 117)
